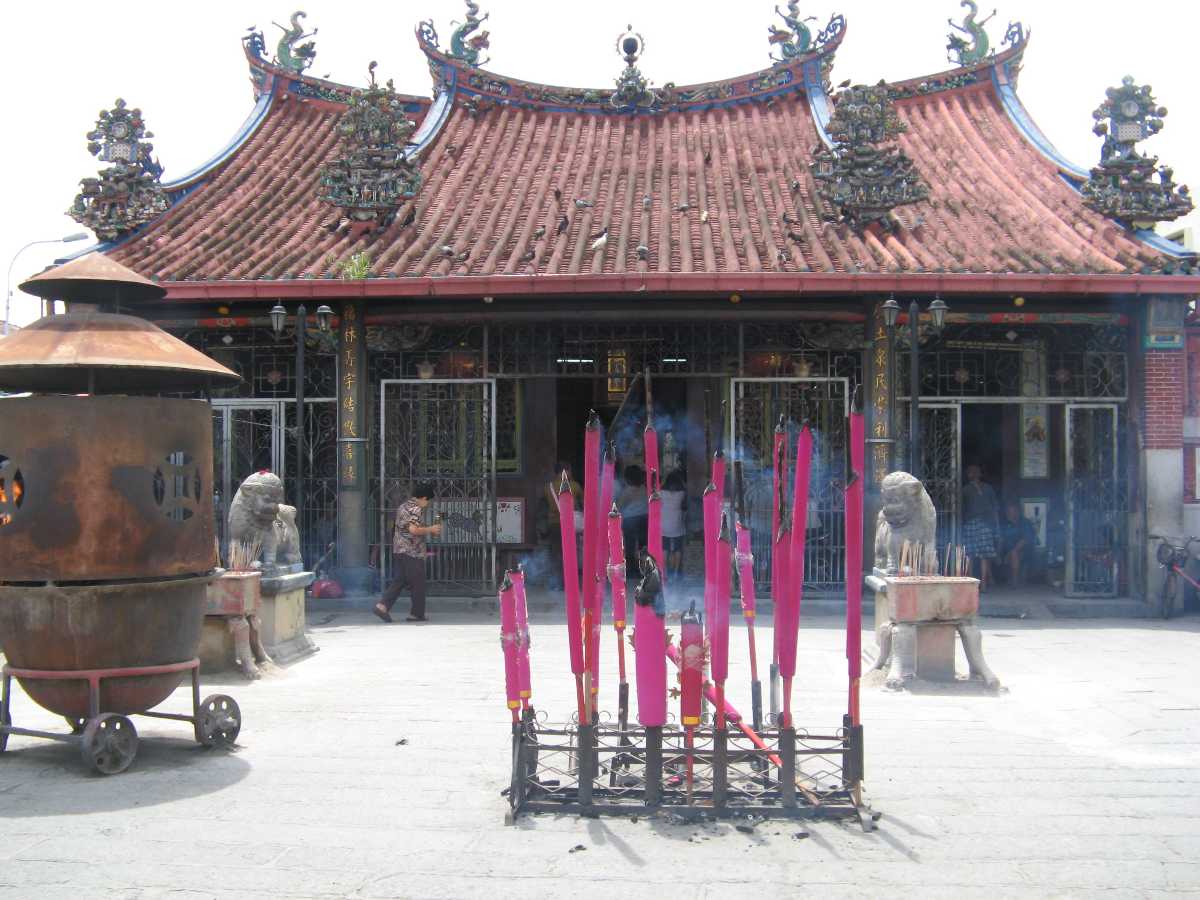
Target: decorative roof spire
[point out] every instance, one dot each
(1123, 186)
(796, 39)
(126, 194)
(461, 48)
(373, 176)
(865, 176)
(289, 52)
(633, 90)
(958, 50)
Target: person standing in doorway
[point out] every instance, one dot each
(674, 505)
(635, 512)
(981, 521)
(408, 555)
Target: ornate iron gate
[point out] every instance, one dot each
(757, 404)
(941, 463)
(1095, 502)
(252, 435)
(443, 431)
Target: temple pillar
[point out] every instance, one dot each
(1162, 400)
(353, 570)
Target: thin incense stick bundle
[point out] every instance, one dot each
(570, 571)
(789, 618)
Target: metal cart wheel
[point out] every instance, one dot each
(76, 723)
(218, 721)
(109, 743)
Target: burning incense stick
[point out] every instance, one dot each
(570, 569)
(616, 577)
(593, 610)
(691, 683)
(788, 618)
(654, 535)
(719, 630)
(744, 563)
(649, 639)
(778, 552)
(510, 637)
(523, 642)
(854, 556)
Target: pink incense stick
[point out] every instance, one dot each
(592, 531)
(789, 625)
(854, 560)
(711, 507)
(510, 637)
(654, 535)
(719, 631)
(777, 558)
(744, 560)
(616, 577)
(649, 639)
(523, 643)
(570, 568)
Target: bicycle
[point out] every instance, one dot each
(1173, 557)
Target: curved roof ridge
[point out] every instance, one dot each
(267, 76)
(782, 76)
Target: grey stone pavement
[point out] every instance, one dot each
(1083, 780)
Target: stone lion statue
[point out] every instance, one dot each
(907, 515)
(258, 514)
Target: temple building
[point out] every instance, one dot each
(497, 259)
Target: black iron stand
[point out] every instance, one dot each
(109, 741)
(800, 774)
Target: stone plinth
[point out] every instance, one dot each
(916, 621)
(230, 638)
(281, 615)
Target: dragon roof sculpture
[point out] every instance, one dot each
(289, 52)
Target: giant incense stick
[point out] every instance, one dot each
(691, 683)
(616, 577)
(523, 676)
(592, 531)
(510, 637)
(719, 630)
(604, 573)
(570, 570)
(744, 563)
(649, 639)
(780, 548)
(854, 556)
(710, 503)
(788, 621)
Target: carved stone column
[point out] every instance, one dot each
(353, 451)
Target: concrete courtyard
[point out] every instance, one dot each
(374, 769)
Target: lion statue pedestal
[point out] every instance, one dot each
(259, 519)
(918, 616)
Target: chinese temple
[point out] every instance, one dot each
(500, 257)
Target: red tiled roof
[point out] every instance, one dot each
(720, 177)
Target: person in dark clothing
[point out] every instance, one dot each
(1017, 540)
(408, 555)
(635, 514)
(981, 520)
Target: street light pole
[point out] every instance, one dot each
(914, 391)
(78, 236)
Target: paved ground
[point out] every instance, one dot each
(1084, 780)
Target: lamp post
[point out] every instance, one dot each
(278, 320)
(77, 236)
(891, 312)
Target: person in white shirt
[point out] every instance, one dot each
(674, 505)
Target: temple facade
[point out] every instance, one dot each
(501, 257)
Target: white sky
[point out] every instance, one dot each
(183, 65)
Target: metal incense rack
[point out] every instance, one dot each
(604, 769)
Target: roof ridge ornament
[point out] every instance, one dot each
(865, 176)
(373, 175)
(462, 49)
(290, 54)
(1122, 187)
(127, 193)
(797, 39)
(958, 50)
(633, 89)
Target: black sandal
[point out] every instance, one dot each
(417, 619)
(381, 611)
